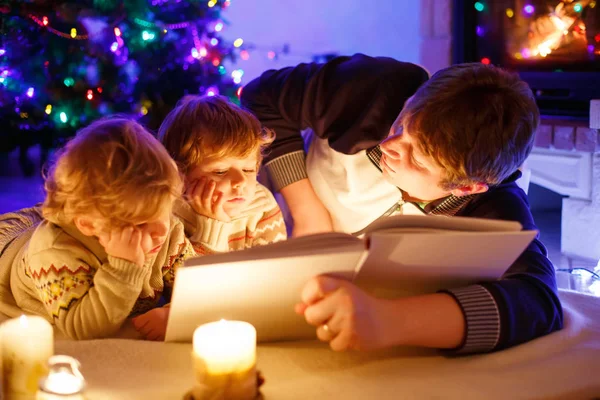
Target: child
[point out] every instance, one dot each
(218, 147)
(454, 149)
(108, 246)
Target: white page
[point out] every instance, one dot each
(261, 292)
(418, 263)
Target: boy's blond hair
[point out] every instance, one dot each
(115, 168)
(477, 121)
(202, 128)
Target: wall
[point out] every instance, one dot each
(382, 28)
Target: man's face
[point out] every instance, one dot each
(406, 167)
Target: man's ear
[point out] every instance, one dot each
(85, 225)
(474, 188)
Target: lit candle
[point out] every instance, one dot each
(225, 358)
(64, 381)
(27, 343)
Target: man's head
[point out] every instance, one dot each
(470, 126)
(213, 138)
(111, 175)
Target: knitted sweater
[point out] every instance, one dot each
(259, 224)
(68, 278)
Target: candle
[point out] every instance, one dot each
(27, 343)
(225, 358)
(64, 381)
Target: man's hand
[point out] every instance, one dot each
(308, 212)
(344, 315)
(153, 324)
(128, 243)
(205, 200)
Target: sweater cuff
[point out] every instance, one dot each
(287, 169)
(482, 319)
(212, 233)
(125, 270)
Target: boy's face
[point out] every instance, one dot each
(406, 167)
(234, 177)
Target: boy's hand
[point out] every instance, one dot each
(153, 324)
(206, 201)
(127, 243)
(344, 315)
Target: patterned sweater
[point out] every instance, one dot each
(69, 279)
(259, 224)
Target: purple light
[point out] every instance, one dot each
(479, 31)
(212, 91)
(2, 52)
(529, 9)
(590, 48)
(30, 92)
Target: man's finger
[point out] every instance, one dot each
(322, 311)
(316, 288)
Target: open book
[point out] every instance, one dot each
(400, 255)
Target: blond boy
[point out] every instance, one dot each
(108, 245)
(218, 147)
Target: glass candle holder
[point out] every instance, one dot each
(64, 380)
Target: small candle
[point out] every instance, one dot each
(27, 343)
(225, 358)
(64, 381)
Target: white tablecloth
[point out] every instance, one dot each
(564, 365)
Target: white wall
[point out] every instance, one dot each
(377, 28)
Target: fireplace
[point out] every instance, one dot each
(554, 45)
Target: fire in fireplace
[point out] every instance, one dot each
(553, 44)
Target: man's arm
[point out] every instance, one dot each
(350, 101)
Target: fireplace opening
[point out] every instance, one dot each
(553, 44)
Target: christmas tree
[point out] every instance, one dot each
(64, 64)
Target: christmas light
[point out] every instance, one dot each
(90, 94)
(216, 62)
(592, 4)
(30, 92)
(212, 3)
(221, 70)
(117, 31)
(479, 6)
(144, 110)
(2, 79)
(73, 33)
(510, 13)
(114, 47)
(195, 53)
(99, 89)
(271, 55)
(597, 38)
(69, 82)
(63, 117)
(219, 27)
(214, 41)
(238, 42)
(239, 92)
(45, 21)
(2, 52)
(479, 31)
(485, 61)
(212, 91)
(203, 52)
(529, 9)
(237, 75)
(48, 109)
(577, 8)
(244, 55)
(147, 35)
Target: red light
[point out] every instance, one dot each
(271, 55)
(216, 62)
(90, 94)
(597, 38)
(485, 61)
(244, 55)
(45, 21)
(239, 92)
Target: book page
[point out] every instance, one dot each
(467, 224)
(417, 263)
(262, 292)
(329, 242)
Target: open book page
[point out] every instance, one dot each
(427, 261)
(261, 291)
(400, 222)
(321, 243)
